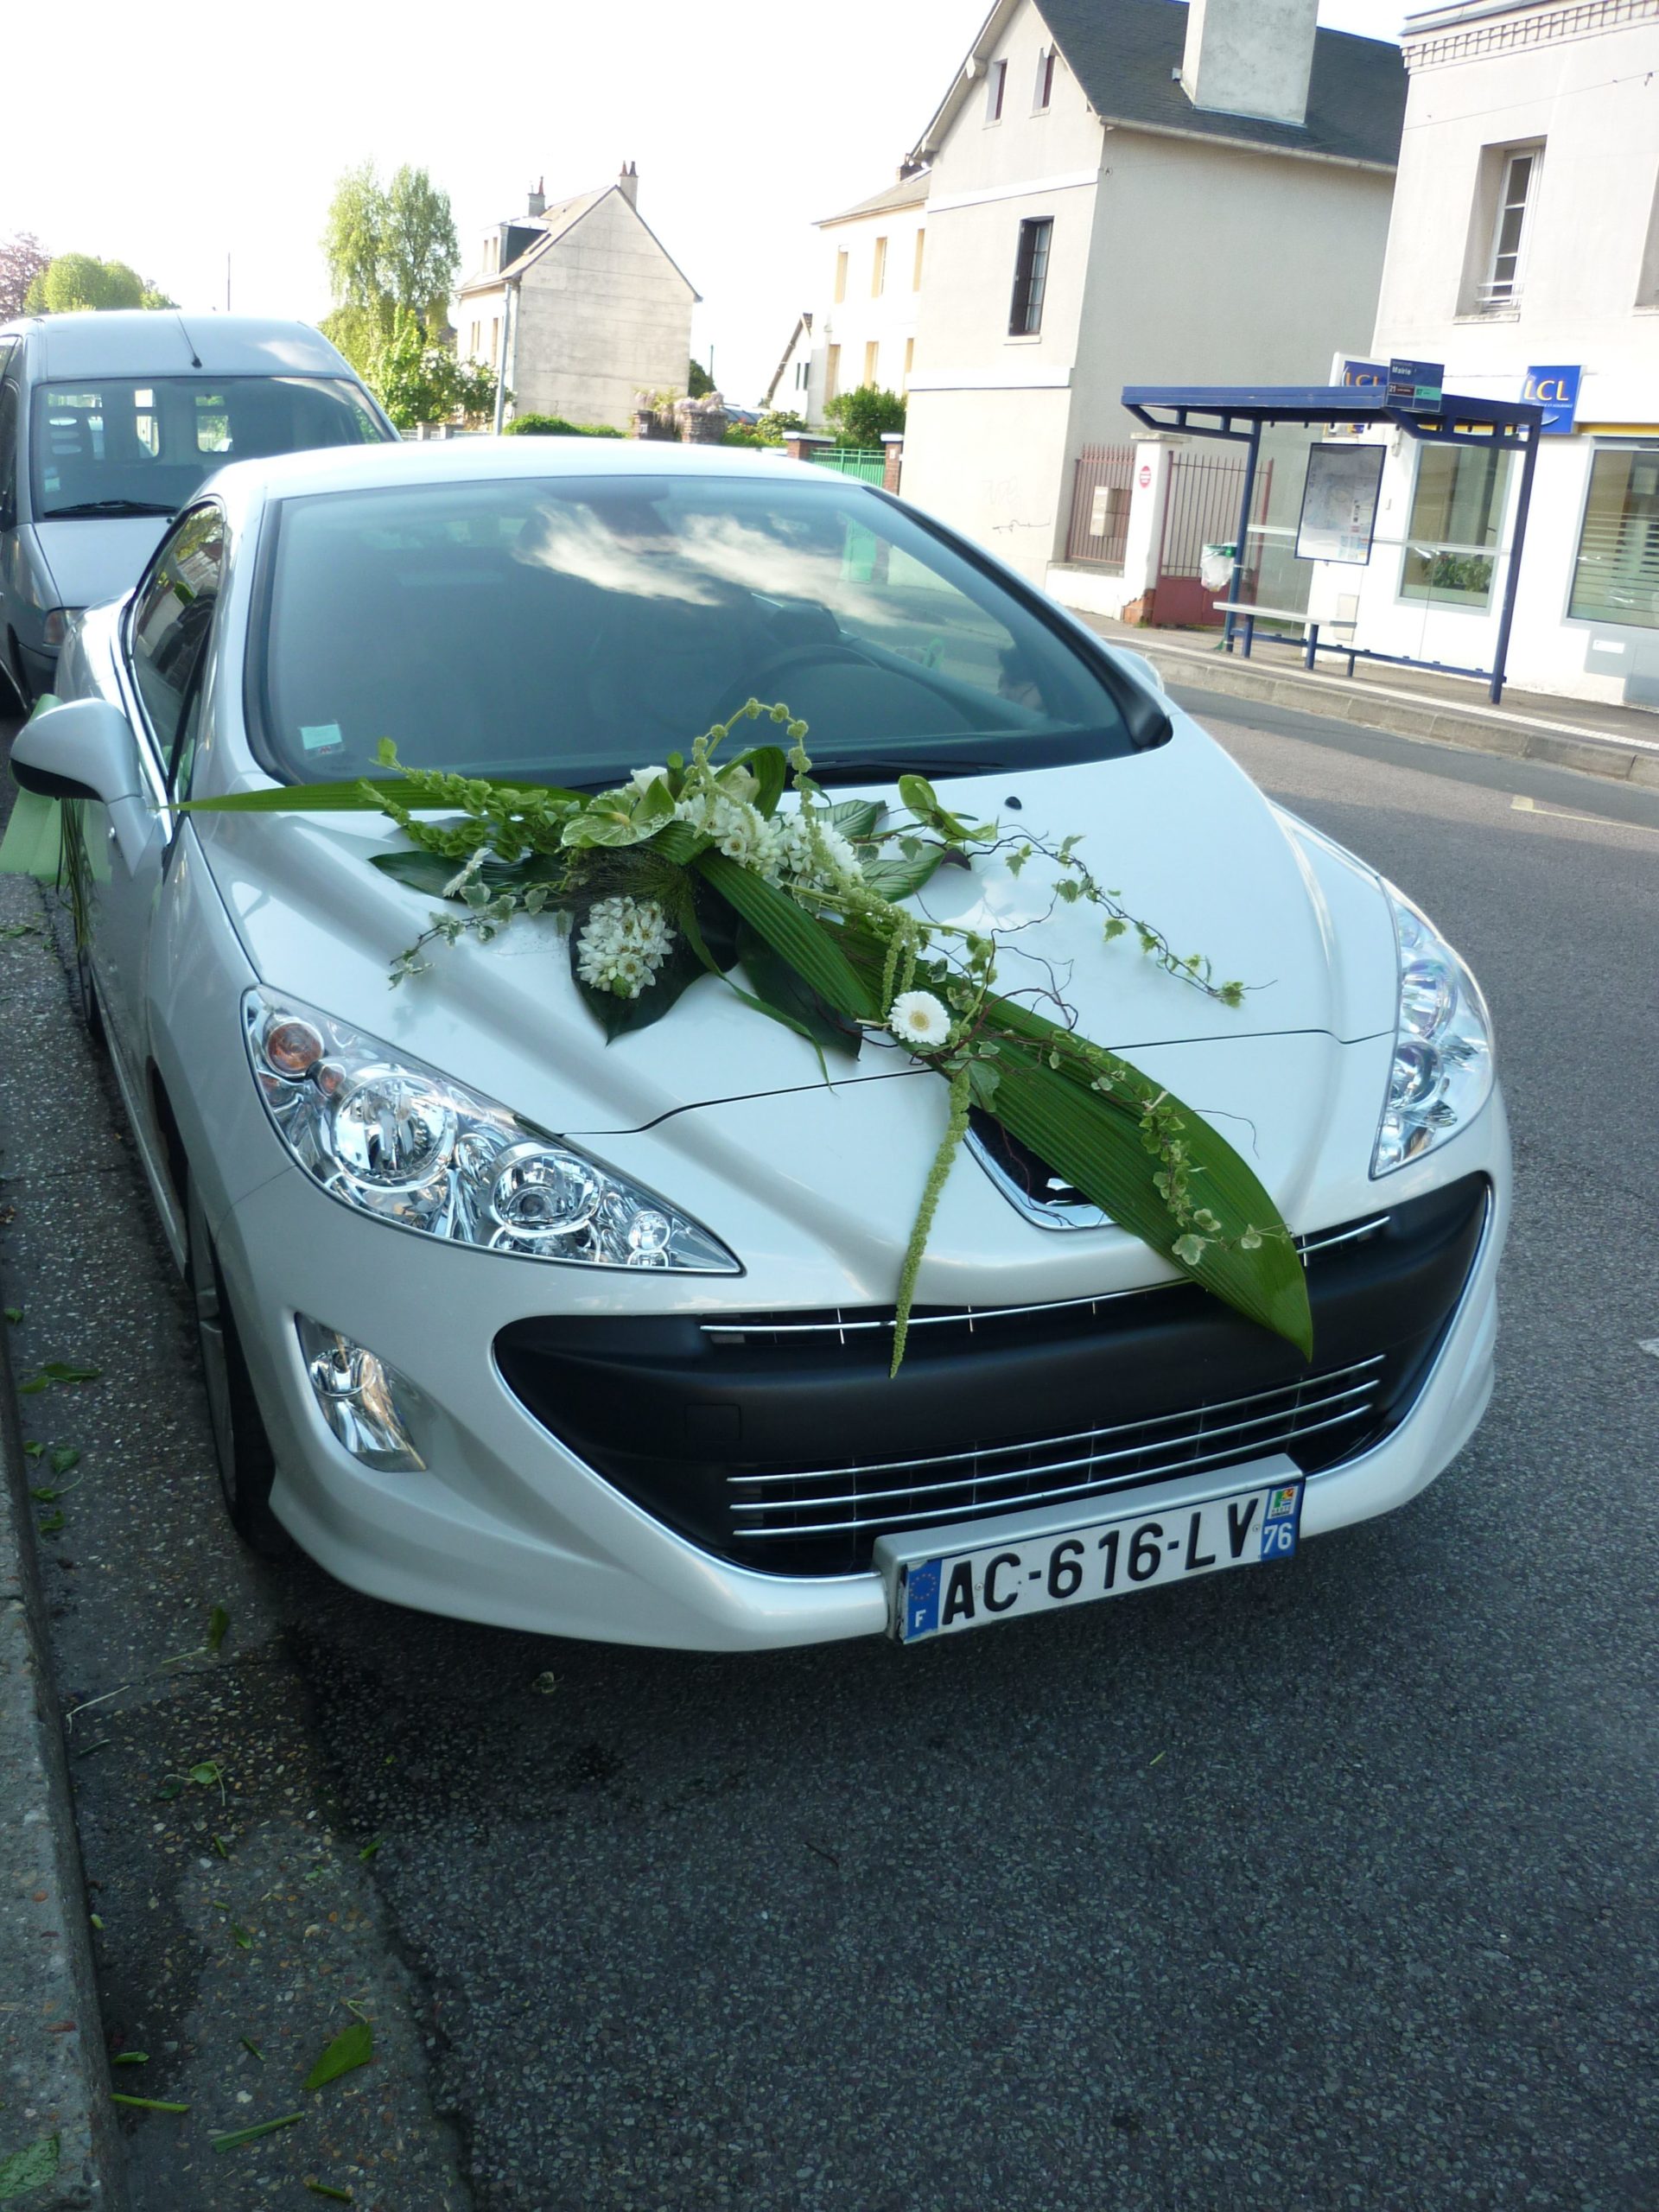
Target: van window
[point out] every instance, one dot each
(9, 454)
(115, 445)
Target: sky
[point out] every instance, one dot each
(745, 126)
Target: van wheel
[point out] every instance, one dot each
(247, 1467)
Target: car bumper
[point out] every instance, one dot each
(507, 1526)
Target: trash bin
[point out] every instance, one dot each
(1216, 567)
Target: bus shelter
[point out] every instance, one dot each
(1240, 414)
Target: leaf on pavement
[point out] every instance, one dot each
(240, 2135)
(29, 2169)
(218, 1621)
(352, 2047)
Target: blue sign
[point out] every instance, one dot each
(1556, 391)
(1368, 375)
(1417, 384)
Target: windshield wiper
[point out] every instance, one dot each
(870, 767)
(107, 507)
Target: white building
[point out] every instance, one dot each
(1523, 255)
(1132, 192)
(864, 331)
(579, 306)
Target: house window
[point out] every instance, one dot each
(495, 338)
(1044, 80)
(832, 373)
(1456, 510)
(803, 373)
(878, 269)
(1616, 576)
(840, 274)
(1030, 277)
(916, 267)
(872, 356)
(910, 360)
(993, 91)
(1518, 190)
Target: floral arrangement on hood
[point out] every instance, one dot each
(745, 870)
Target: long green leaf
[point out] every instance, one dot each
(809, 946)
(1096, 1145)
(784, 993)
(352, 2046)
(344, 799)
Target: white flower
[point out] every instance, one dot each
(623, 943)
(643, 778)
(787, 849)
(917, 1018)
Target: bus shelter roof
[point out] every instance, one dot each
(1240, 411)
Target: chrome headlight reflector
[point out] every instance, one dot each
(393, 1138)
(1442, 1072)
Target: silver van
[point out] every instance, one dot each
(108, 423)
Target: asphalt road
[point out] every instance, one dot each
(1328, 1887)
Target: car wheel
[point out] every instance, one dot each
(246, 1466)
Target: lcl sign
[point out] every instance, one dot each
(1556, 391)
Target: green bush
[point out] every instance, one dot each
(554, 426)
(860, 417)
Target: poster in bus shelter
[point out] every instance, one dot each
(1340, 503)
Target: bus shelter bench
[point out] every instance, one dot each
(1252, 614)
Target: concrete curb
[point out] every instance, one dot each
(54, 2080)
(1481, 729)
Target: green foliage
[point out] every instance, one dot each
(80, 283)
(391, 248)
(358, 332)
(862, 417)
(554, 426)
(698, 383)
(418, 383)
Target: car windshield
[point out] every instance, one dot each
(133, 445)
(570, 631)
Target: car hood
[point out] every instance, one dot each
(94, 557)
(1189, 842)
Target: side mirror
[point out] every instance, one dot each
(83, 749)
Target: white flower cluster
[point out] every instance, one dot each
(786, 848)
(623, 943)
(735, 825)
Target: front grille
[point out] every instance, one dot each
(778, 1440)
(863, 1500)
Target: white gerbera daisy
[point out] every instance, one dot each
(917, 1018)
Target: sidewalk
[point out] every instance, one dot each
(1621, 742)
(57, 2125)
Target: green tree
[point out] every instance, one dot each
(698, 382)
(76, 283)
(390, 250)
(862, 416)
(417, 383)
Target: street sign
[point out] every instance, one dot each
(1556, 391)
(1416, 384)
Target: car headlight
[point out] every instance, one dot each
(395, 1138)
(1442, 1072)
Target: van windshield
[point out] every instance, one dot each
(570, 631)
(142, 445)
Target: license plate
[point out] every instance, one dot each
(955, 1589)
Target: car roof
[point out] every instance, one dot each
(449, 461)
(156, 342)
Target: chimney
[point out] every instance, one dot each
(539, 198)
(1250, 57)
(628, 184)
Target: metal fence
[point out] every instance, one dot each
(868, 463)
(1101, 485)
(1201, 509)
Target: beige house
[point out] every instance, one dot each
(864, 328)
(578, 306)
(1132, 192)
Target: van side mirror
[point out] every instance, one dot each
(83, 749)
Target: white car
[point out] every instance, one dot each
(673, 1422)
